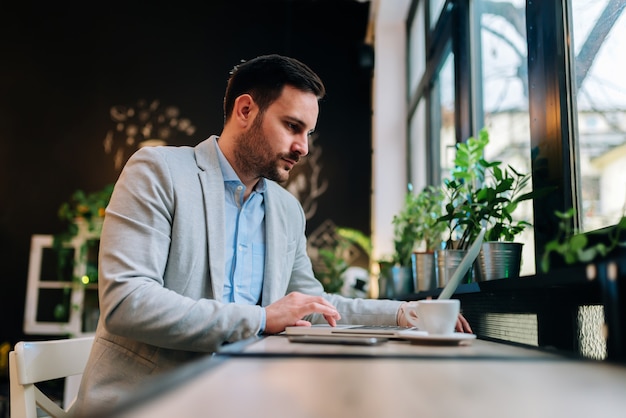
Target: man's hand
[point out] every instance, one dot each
(461, 323)
(289, 311)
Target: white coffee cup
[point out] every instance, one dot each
(435, 316)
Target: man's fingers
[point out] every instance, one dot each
(321, 301)
(331, 320)
(325, 308)
(462, 325)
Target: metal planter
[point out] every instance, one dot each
(499, 260)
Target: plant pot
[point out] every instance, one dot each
(385, 287)
(394, 281)
(446, 263)
(402, 279)
(499, 260)
(424, 274)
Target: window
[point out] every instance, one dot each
(501, 99)
(599, 33)
(493, 60)
(436, 6)
(553, 108)
(442, 120)
(417, 38)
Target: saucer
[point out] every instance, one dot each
(444, 339)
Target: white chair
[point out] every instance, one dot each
(39, 361)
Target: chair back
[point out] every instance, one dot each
(33, 362)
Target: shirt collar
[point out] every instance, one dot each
(229, 173)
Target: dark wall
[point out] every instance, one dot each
(63, 66)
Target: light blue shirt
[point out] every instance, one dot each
(245, 239)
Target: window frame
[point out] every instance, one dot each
(82, 302)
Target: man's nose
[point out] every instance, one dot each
(301, 145)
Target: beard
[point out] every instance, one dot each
(254, 156)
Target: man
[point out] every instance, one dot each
(201, 247)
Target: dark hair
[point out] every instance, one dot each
(264, 78)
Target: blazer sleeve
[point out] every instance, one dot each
(292, 247)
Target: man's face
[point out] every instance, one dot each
(278, 138)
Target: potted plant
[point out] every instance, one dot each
(84, 207)
(82, 216)
(418, 224)
(405, 231)
(415, 226)
(395, 275)
(427, 208)
(483, 194)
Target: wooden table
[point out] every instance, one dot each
(272, 377)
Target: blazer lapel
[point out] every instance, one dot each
(213, 193)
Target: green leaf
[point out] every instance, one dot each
(578, 242)
(586, 255)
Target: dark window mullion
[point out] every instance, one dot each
(462, 71)
(549, 76)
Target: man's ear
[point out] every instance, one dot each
(245, 109)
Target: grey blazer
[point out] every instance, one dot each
(161, 272)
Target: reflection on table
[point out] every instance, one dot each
(280, 346)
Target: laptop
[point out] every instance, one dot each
(391, 331)
(342, 330)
